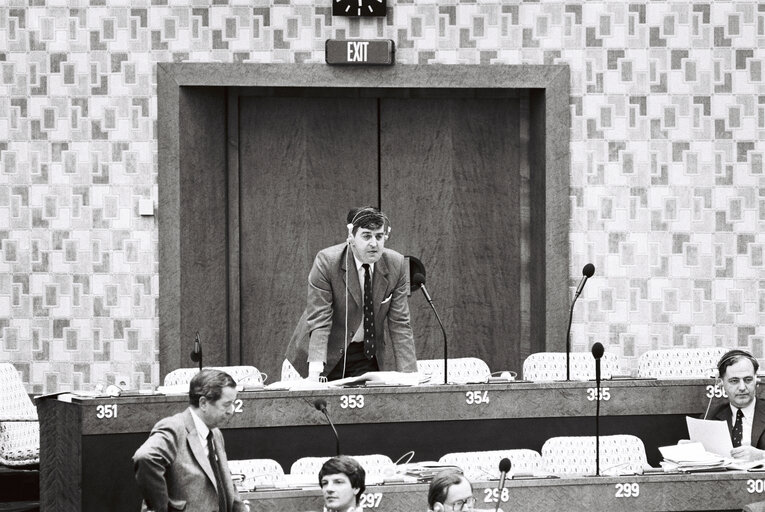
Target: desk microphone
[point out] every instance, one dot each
(587, 272)
(504, 467)
(321, 405)
(196, 354)
(597, 353)
(418, 280)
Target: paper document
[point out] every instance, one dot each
(712, 434)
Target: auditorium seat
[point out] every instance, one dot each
(241, 374)
(461, 370)
(289, 372)
(19, 428)
(485, 465)
(680, 363)
(376, 467)
(257, 473)
(619, 454)
(550, 366)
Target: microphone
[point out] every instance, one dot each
(418, 281)
(587, 272)
(504, 467)
(321, 405)
(196, 354)
(597, 353)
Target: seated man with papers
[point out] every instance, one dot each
(744, 413)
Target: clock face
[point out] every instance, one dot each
(359, 7)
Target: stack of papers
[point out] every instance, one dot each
(425, 471)
(383, 379)
(690, 457)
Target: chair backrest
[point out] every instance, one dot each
(375, 465)
(680, 363)
(19, 440)
(289, 372)
(240, 374)
(576, 455)
(257, 472)
(485, 465)
(549, 366)
(460, 370)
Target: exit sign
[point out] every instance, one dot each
(359, 52)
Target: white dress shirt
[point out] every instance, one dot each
(746, 422)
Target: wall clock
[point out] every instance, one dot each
(358, 8)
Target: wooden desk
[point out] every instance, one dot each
(702, 491)
(86, 444)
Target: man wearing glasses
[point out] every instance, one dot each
(451, 492)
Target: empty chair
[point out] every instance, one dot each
(19, 428)
(460, 370)
(289, 372)
(619, 454)
(241, 374)
(485, 465)
(680, 363)
(549, 366)
(375, 466)
(257, 473)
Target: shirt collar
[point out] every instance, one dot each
(360, 263)
(202, 429)
(748, 410)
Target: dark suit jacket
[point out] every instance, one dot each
(723, 412)
(174, 473)
(319, 335)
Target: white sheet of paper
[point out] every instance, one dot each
(713, 434)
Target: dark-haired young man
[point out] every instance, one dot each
(743, 411)
(342, 483)
(354, 290)
(183, 464)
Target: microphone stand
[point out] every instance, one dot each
(446, 352)
(568, 339)
(597, 417)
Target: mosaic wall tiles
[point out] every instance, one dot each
(667, 197)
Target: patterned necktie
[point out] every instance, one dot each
(212, 454)
(369, 315)
(738, 429)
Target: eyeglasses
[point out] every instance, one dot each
(461, 505)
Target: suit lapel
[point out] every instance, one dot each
(351, 276)
(725, 414)
(195, 445)
(379, 284)
(758, 423)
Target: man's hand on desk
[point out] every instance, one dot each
(747, 453)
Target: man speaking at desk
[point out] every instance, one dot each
(744, 412)
(183, 464)
(354, 289)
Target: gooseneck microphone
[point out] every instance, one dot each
(587, 272)
(504, 468)
(321, 405)
(597, 353)
(418, 280)
(196, 354)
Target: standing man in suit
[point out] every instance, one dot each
(183, 464)
(354, 289)
(743, 411)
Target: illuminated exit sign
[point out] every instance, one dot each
(359, 52)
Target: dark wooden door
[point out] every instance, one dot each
(304, 162)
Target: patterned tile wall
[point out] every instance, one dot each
(668, 123)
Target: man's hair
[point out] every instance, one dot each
(732, 357)
(439, 486)
(209, 383)
(367, 217)
(349, 467)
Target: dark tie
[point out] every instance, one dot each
(369, 315)
(212, 454)
(738, 429)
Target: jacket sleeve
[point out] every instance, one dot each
(150, 462)
(400, 325)
(319, 309)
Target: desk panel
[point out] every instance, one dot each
(704, 491)
(86, 443)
